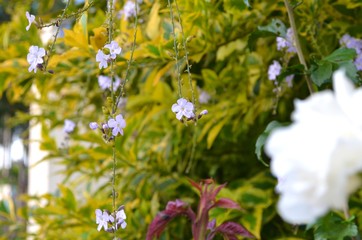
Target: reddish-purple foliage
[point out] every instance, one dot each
(200, 221)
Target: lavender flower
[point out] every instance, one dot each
(358, 62)
(351, 42)
(183, 108)
(117, 125)
(69, 126)
(102, 219)
(204, 97)
(105, 82)
(31, 19)
(93, 125)
(274, 70)
(287, 42)
(289, 80)
(102, 59)
(129, 10)
(120, 218)
(114, 49)
(35, 57)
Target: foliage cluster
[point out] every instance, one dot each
(230, 48)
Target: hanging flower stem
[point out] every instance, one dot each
(122, 92)
(176, 50)
(114, 166)
(297, 44)
(58, 24)
(188, 66)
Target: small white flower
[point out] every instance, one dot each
(105, 82)
(183, 108)
(35, 57)
(102, 219)
(31, 19)
(69, 126)
(117, 125)
(317, 158)
(114, 49)
(93, 125)
(102, 59)
(120, 218)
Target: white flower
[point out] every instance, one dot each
(102, 59)
(183, 108)
(117, 124)
(31, 19)
(316, 159)
(35, 57)
(69, 126)
(114, 49)
(102, 219)
(105, 82)
(120, 218)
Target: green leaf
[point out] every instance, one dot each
(274, 29)
(341, 55)
(260, 142)
(233, 6)
(333, 227)
(322, 72)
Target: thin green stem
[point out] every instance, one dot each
(114, 166)
(59, 23)
(75, 14)
(188, 66)
(176, 50)
(297, 44)
(122, 92)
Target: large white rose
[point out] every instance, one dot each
(316, 159)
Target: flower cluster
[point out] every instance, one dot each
(356, 44)
(112, 128)
(105, 82)
(317, 158)
(113, 48)
(287, 43)
(104, 218)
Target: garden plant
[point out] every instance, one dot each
(188, 119)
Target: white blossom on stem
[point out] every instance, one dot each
(117, 125)
(35, 57)
(31, 19)
(183, 108)
(114, 49)
(102, 59)
(102, 219)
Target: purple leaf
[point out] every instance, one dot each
(173, 209)
(226, 203)
(230, 231)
